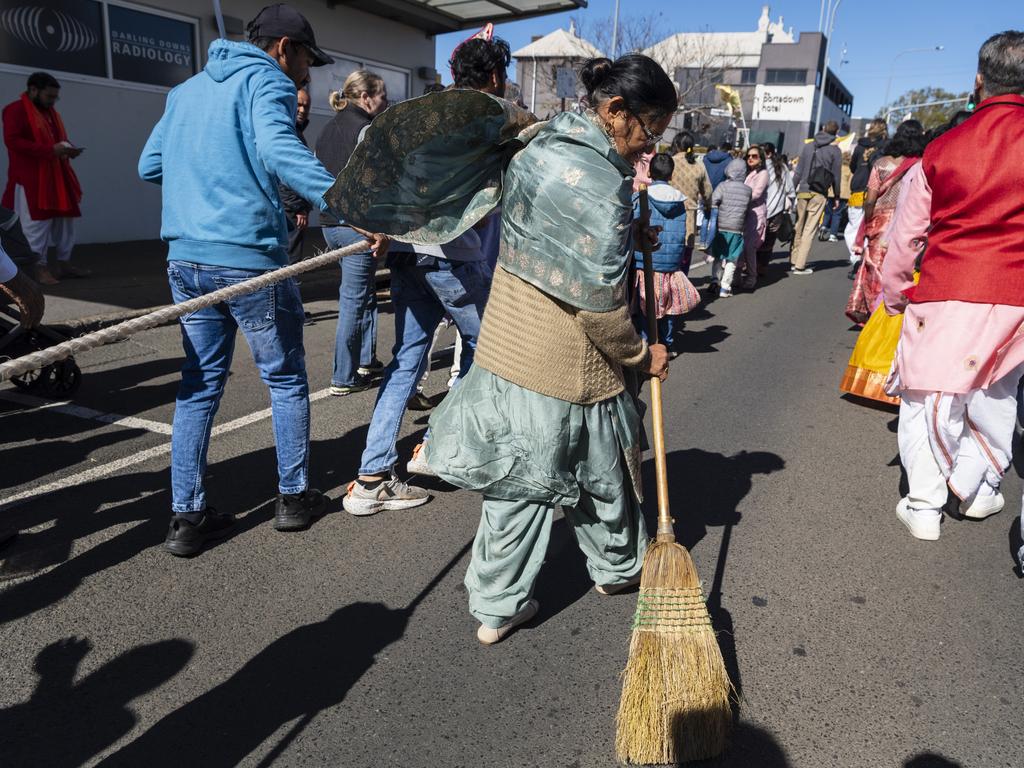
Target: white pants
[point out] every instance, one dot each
(855, 216)
(453, 372)
(59, 233)
(722, 273)
(963, 441)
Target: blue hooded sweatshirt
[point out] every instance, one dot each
(668, 211)
(226, 139)
(715, 161)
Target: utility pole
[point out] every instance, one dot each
(615, 33)
(824, 69)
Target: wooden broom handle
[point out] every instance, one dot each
(665, 529)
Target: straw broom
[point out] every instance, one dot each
(675, 688)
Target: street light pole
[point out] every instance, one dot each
(892, 69)
(615, 32)
(824, 69)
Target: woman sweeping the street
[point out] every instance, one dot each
(545, 417)
(902, 153)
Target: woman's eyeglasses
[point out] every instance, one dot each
(652, 137)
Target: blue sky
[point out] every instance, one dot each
(873, 31)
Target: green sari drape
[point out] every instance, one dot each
(430, 168)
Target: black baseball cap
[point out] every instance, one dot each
(284, 21)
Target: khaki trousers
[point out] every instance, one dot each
(808, 216)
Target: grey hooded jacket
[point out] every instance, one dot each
(732, 198)
(827, 155)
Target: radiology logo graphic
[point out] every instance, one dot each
(48, 29)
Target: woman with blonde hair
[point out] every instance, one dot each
(362, 97)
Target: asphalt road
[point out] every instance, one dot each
(851, 643)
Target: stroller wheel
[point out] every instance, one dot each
(33, 380)
(64, 380)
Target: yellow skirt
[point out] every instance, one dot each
(872, 357)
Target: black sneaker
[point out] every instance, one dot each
(419, 402)
(184, 539)
(371, 369)
(361, 384)
(295, 510)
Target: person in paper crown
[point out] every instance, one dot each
(961, 351)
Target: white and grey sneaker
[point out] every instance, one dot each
(986, 505)
(388, 494)
(418, 463)
(922, 524)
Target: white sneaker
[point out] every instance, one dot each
(833, 239)
(725, 293)
(490, 635)
(922, 524)
(418, 463)
(984, 506)
(804, 271)
(390, 494)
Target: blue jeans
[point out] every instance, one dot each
(666, 328)
(355, 342)
(833, 216)
(421, 296)
(271, 321)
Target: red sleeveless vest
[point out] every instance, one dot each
(975, 246)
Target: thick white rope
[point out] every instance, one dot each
(36, 360)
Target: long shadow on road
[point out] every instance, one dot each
(69, 516)
(705, 491)
(295, 678)
(68, 719)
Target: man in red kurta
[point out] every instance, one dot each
(41, 185)
(961, 351)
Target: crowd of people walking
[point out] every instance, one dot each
(542, 408)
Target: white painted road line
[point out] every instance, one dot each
(115, 466)
(70, 409)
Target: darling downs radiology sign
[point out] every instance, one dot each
(68, 36)
(785, 103)
(147, 48)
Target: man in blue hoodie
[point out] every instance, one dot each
(226, 140)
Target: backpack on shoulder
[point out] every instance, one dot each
(820, 180)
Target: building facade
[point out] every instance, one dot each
(775, 72)
(538, 66)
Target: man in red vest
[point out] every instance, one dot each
(961, 351)
(41, 185)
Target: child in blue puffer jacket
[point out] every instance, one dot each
(675, 294)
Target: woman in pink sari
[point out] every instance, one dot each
(902, 153)
(757, 215)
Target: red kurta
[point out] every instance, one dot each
(975, 246)
(30, 162)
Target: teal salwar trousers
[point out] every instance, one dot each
(527, 454)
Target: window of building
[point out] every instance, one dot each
(100, 39)
(786, 76)
(748, 76)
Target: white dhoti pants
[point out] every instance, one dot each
(962, 441)
(854, 217)
(41, 235)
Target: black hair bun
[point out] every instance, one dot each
(594, 73)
